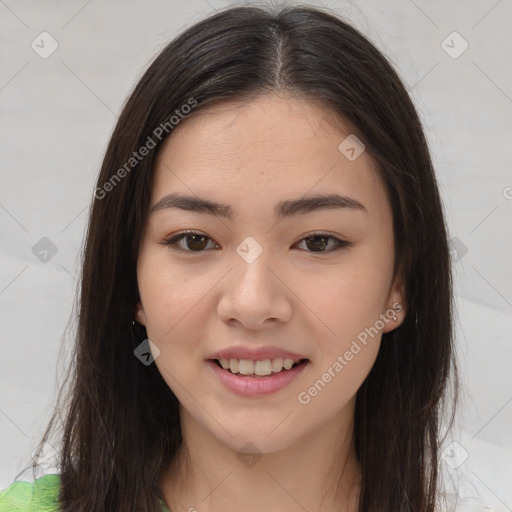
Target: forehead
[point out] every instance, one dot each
(268, 147)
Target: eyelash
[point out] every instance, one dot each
(172, 241)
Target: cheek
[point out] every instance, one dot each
(168, 295)
(348, 338)
(348, 350)
(175, 302)
(327, 393)
(351, 297)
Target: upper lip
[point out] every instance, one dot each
(256, 354)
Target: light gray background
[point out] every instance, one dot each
(57, 115)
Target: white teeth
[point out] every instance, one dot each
(277, 365)
(261, 368)
(246, 367)
(288, 363)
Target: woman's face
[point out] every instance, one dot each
(255, 284)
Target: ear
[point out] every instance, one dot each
(396, 306)
(140, 315)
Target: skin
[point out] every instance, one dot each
(252, 155)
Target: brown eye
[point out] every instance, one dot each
(319, 242)
(193, 242)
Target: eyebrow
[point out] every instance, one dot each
(283, 209)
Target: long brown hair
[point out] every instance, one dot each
(121, 424)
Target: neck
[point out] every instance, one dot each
(320, 472)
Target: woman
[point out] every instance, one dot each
(266, 299)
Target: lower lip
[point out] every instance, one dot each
(256, 386)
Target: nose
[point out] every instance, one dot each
(255, 294)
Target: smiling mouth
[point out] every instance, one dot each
(258, 369)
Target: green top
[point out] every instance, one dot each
(38, 496)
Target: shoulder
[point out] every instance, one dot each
(38, 496)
